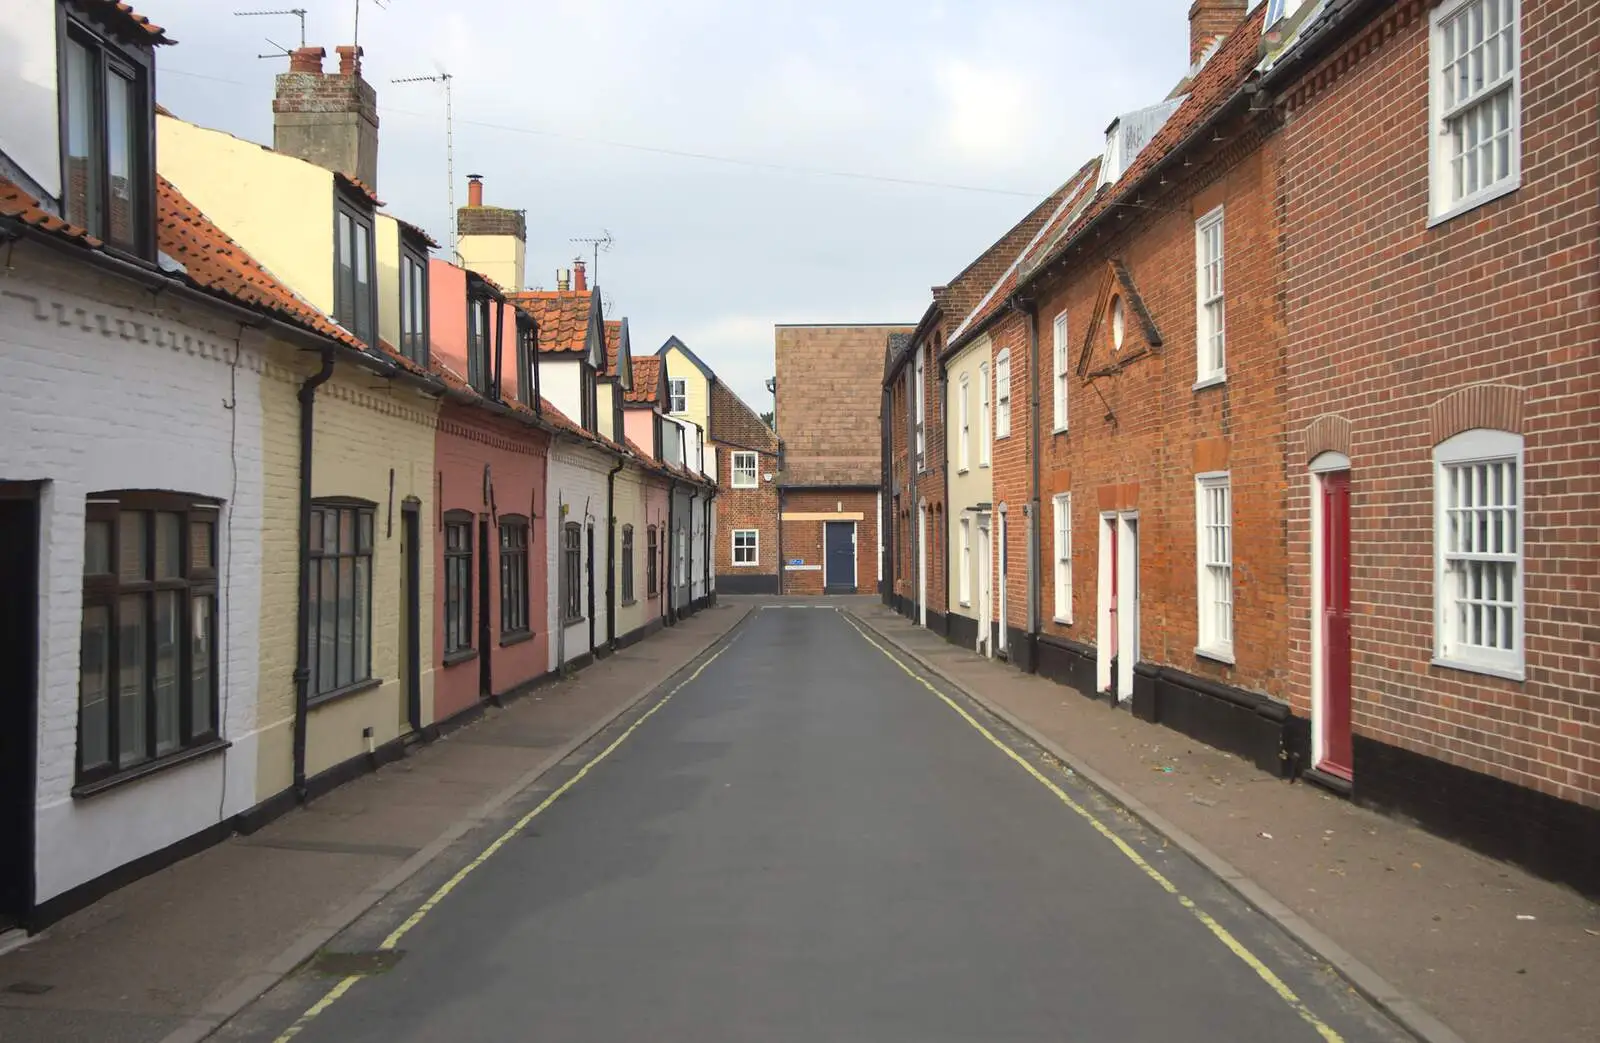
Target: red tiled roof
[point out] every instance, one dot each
(562, 316)
(359, 186)
(416, 230)
(19, 205)
(119, 12)
(646, 378)
(613, 343)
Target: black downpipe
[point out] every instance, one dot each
(705, 543)
(611, 550)
(670, 554)
(886, 493)
(944, 399)
(588, 546)
(302, 652)
(1030, 309)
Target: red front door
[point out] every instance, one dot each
(1335, 508)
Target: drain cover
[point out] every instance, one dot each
(28, 988)
(355, 964)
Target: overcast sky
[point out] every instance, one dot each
(1009, 96)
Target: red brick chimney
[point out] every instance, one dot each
(580, 276)
(474, 189)
(1211, 19)
(307, 59)
(350, 60)
(330, 119)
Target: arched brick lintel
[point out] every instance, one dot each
(1327, 434)
(1497, 407)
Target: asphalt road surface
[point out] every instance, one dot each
(807, 843)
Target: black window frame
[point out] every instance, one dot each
(458, 561)
(109, 590)
(527, 352)
(514, 615)
(345, 207)
(627, 566)
(363, 530)
(135, 63)
(480, 370)
(586, 389)
(652, 571)
(571, 573)
(414, 345)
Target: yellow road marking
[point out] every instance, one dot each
(344, 985)
(1250, 959)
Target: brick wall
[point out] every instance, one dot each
(803, 539)
(1012, 474)
(746, 509)
(1387, 318)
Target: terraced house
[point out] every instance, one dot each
(1273, 429)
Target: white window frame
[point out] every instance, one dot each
(1446, 112)
(1480, 446)
(1210, 303)
(986, 436)
(1059, 333)
(1213, 561)
(755, 548)
(964, 447)
(964, 586)
(1002, 394)
(922, 405)
(677, 394)
(736, 469)
(1063, 553)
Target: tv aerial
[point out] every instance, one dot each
(597, 245)
(282, 51)
(449, 147)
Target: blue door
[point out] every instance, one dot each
(839, 558)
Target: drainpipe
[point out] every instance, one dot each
(611, 550)
(302, 654)
(778, 470)
(1028, 307)
(944, 397)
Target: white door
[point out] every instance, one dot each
(1105, 627)
(985, 584)
(922, 564)
(1005, 566)
(1127, 605)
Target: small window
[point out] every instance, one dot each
(479, 317)
(413, 304)
(1476, 103)
(964, 583)
(355, 291)
(1478, 611)
(964, 446)
(1214, 536)
(527, 353)
(1063, 577)
(1002, 395)
(457, 582)
(745, 466)
(1211, 317)
(677, 395)
(147, 680)
(921, 422)
(1059, 335)
(571, 572)
(627, 565)
(746, 546)
(1119, 322)
(986, 437)
(652, 587)
(513, 575)
(106, 127)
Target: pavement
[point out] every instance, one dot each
(169, 957)
(1466, 946)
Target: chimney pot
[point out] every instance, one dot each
(580, 276)
(474, 189)
(350, 60)
(307, 59)
(1210, 19)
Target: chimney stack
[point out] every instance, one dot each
(474, 189)
(492, 240)
(1210, 20)
(330, 119)
(580, 276)
(563, 279)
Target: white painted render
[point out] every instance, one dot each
(576, 493)
(30, 119)
(561, 383)
(99, 392)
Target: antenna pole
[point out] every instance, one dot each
(449, 146)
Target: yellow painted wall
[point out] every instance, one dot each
(976, 485)
(362, 430)
(280, 209)
(629, 505)
(697, 388)
(499, 257)
(386, 243)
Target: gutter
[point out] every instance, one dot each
(1322, 39)
(302, 655)
(611, 551)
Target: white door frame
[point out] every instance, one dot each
(922, 563)
(985, 584)
(1323, 464)
(1128, 582)
(1003, 586)
(1104, 642)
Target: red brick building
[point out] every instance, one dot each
(748, 459)
(827, 413)
(1443, 456)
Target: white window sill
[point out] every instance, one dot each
(1063, 622)
(961, 470)
(1059, 430)
(1510, 673)
(1210, 382)
(1002, 438)
(964, 604)
(1216, 655)
(1472, 202)
(983, 465)
(747, 564)
(736, 485)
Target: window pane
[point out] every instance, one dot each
(97, 548)
(131, 638)
(169, 537)
(82, 188)
(200, 665)
(94, 685)
(347, 621)
(347, 532)
(166, 687)
(328, 626)
(202, 554)
(131, 547)
(363, 623)
(122, 124)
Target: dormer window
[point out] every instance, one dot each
(108, 153)
(478, 368)
(527, 345)
(413, 303)
(355, 291)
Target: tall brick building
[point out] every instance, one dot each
(748, 459)
(827, 413)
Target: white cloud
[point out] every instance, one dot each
(988, 111)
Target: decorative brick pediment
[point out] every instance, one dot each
(1118, 309)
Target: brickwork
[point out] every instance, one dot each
(1392, 325)
(328, 119)
(929, 480)
(803, 538)
(829, 385)
(1209, 19)
(1012, 473)
(746, 509)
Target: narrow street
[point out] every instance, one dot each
(807, 841)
